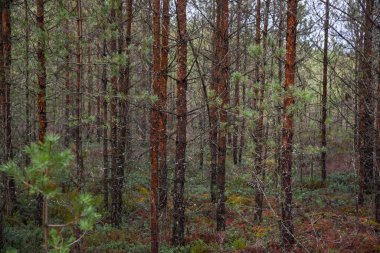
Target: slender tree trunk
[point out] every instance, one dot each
(115, 211)
(237, 87)
(78, 100)
(280, 80)
(180, 163)
(377, 196)
(105, 128)
(366, 108)
(68, 86)
(324, 92)
(90, 89)
(222, 135)
(259, 131)
(27, 79)
(41, 105)
(286, 224)
(243, 124)
(7, 48)
(155, 127)
(98, 96)
(2, 133)
(162, 153)
(213, 115)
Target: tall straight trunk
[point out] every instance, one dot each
(259, 131)
(27, 79)
(90, 90)
(213, 115)
(68, 87)
(115, 211)
(366, 108)
(280, 64)
(104, 122)
(78, 100)
(237, 87)
(98, 96)
(377, 196)
(41, 105)
(324, 92)
(286, 224)
(124, 103)
(224, 96)
(243, 124)
(155, 127)
(7, 48)
(181, 102)
(162, 153)
(2, 134)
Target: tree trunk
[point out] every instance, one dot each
(162, 153)
(280, 79)
(27, 79)
(224, 95)
(324, 92)
(68, 86)
(2, 134)
(377, 196)
(7, 48)
(259, 131)
(180, 160)
(78, 101)
(237, 87)
(90, 89)
(41, 105)
(115, 211)
(155, 127)
(213, 115)
(105, 128)
(286, 225)
(366, 108)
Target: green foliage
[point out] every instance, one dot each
(236, 76)
(255, 50)
(199, 246)
(47, 170)
(24, 238)
(239, 244)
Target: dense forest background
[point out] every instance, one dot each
(190, 126)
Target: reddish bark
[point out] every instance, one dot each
(155, 130)
(41, 103)
(181, 101)
(286, 224)
(162, 153)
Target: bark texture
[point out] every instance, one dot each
(286, 224)
(155, 128)
(181, 102)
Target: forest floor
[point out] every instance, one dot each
(327, 218)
